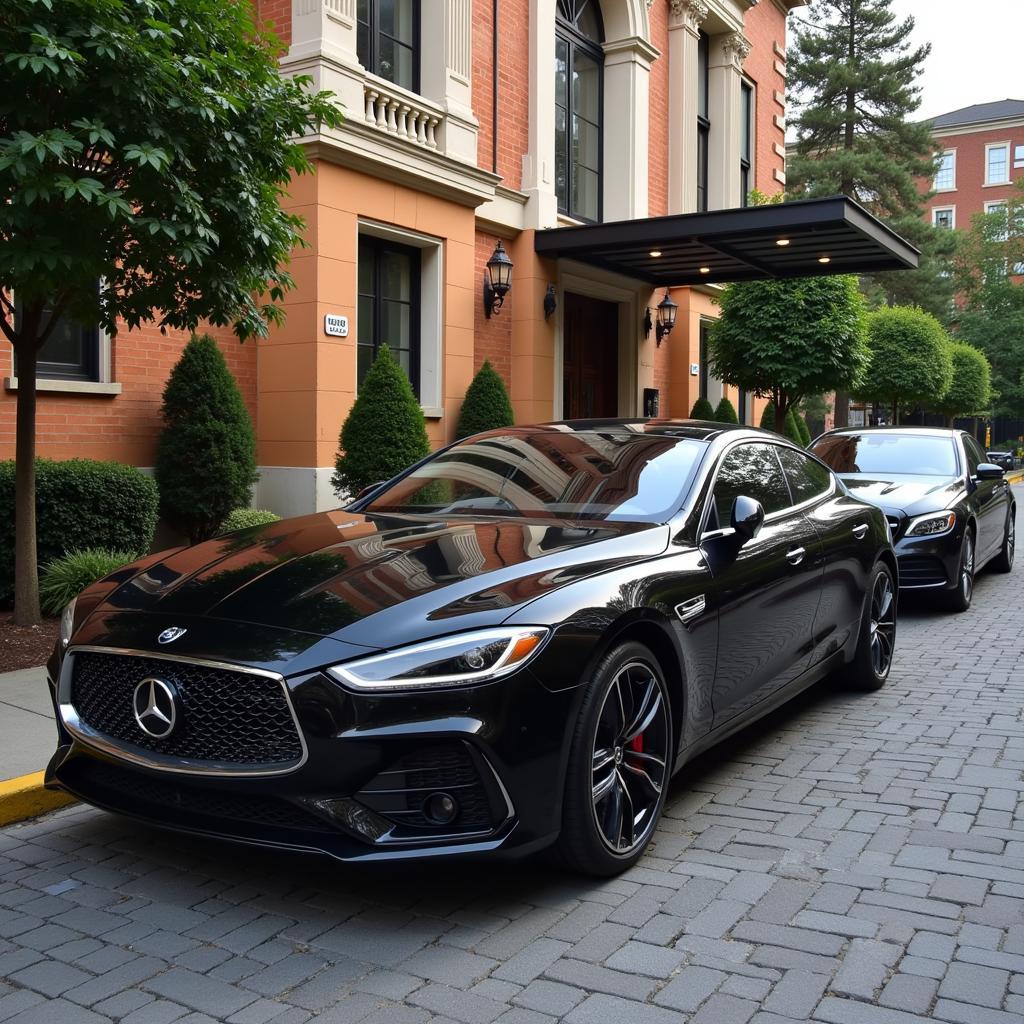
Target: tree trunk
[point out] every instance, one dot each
(895, 412)
(841, 410)
(780, 417)
(847, 185)
(26, 573)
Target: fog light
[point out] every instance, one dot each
(440, 808)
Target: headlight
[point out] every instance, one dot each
(67, 622)
(454, 661)
(929, 526)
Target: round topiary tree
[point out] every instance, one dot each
(726, 412)
(384, 431)
(702, 410)
(486, 405)
(971, 389)
(911, 360)
(206, 457)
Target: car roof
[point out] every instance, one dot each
(699, 430)
(894, 429)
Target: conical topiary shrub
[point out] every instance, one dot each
(384, 432)
(206, 457)
(726, 412)
(805, 431)
(486, 405)
(791, 430)
(768, 417)
(702, 410)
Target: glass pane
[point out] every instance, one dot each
(561, 149)
(586, 143)
(561, 72)
(807, 478)
(363, 45)
(395, 276)
(402, 61)
(386, 59)
(397, 19)
(751, 470)
(366, 262)
(586, 187)
(395, 325)
(702, 75)
(997, 164)
(64, 345)
(365, 325)
(588, 21)
(586, 87)
(364, 362)
(404, 358)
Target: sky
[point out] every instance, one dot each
(976, 51)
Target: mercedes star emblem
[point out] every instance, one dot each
(170, 634)
(156, 707)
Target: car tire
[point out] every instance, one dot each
(872, 661)
(1003, 562)
(959, 598)
(620, 758)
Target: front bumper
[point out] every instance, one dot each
(369, 764)
(930, 563)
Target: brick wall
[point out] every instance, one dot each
(279, 14)
(492, 339)
(657, 148)
(765, 26)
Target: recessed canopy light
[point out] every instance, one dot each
(705, 270)
(782, 241)
(824, 259)
(655, 253)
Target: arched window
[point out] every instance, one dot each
(579, 74)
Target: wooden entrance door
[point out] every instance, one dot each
(590, 358)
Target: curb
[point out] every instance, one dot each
(26, 797)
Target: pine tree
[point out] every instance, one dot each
(702, 410)
(206, 456)
(854, 75)
(486, 405)
(384, 432)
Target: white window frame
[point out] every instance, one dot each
(996, 204)
(951, 210)
(430, 311)
(988, 149)
(935, 182)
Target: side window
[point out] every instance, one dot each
(974, 454)
(752, 470)
(807, 479)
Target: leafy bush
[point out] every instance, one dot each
(243, 518)
(726, 412)
(80, 503)
(66, 577)
(702, 410)
(384, 432)
(486, 405)
(206, 459)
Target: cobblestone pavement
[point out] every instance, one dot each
(853, 859)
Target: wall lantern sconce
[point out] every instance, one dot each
(497, 280)
(550, 302)
(667, 310)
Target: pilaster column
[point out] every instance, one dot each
(448, 81)
(685, 20)
(627, 71)
(324, 47)
(728, 51)
(539, 159)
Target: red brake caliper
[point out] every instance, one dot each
(637, 743)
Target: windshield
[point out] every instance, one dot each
(886, 452)
(564, 474)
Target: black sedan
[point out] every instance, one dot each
(950, 511)
(514, 644)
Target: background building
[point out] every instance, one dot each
(469, 122)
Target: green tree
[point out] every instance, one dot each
(786, 339)
(206, 456)
(702, 410)
(911, 361)
(854, 76)
(486, 405)
(144, 143)
(384, 432)
(725, 412)
(992, 318)
(970, 391)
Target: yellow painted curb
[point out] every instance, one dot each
(26, 797)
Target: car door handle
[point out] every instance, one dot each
(860, 532)
(796, 556)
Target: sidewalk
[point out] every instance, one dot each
(28, 734)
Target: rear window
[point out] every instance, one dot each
(888, 452)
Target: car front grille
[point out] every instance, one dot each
(921, 571)
(231, 718)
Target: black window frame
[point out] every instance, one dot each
(371, 59)
(703, 332)
(575, 41)
(87, 369)
(703, 118)
(747, 101)
(712, 519)
(742, 400)
(378, 246)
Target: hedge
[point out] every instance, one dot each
(244, 518)
(80, 503)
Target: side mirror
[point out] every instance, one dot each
(989, 471)
(747, 518)
(368, 490)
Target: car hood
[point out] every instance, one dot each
(904, 493)
(378, 581)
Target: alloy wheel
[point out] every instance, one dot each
(630, 758)
(883, 625)
(1011, 539)
(967, 567)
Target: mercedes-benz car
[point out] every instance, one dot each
(951, 511)
(512, 645)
